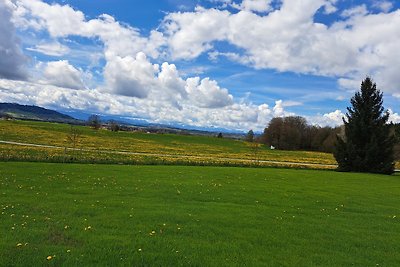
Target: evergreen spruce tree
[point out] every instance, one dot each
(367, 145)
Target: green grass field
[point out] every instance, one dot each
(110, 215)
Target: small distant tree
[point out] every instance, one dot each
(250, 136)
(367, 144)
(114, 126)
(219, 135)
(255, 149)
(73, 139)
(94, 122)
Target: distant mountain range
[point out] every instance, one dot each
(26, 112)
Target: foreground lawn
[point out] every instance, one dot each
(79, 215)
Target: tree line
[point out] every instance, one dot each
(294, 133)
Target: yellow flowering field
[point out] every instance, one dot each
(144, 148)
(105, 146)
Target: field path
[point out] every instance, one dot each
(287, 163)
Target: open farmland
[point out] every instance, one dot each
(113, 215)
(104, 146)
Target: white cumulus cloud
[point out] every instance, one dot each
(207, 93)
(130, 76)
(331, 119)
(61, 73)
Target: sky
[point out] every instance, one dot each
(206, 64)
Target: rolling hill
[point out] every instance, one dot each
(27, 112)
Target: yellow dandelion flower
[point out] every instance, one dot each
(49, 257)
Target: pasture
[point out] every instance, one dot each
(113, 215)
(103, 146)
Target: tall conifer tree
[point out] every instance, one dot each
(367, 145)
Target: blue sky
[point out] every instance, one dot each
(205, 63)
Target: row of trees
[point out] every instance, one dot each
(294, 133)
(95, 122)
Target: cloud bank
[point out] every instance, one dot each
(137, 78)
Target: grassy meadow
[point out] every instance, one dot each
(113, 215)
(99, 146)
